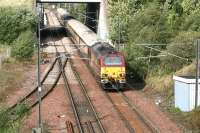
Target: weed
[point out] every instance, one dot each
(174, 110)
(11, 120)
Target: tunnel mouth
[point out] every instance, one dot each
(55, 33)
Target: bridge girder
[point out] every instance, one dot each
(69, 1)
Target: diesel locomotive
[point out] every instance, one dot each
(107, 63)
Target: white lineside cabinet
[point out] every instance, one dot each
(184, 92)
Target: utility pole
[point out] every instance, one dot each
(197, 73)
(39, 82)
(39, 13)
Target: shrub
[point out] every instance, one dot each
(194, 119)
(174, 110)
(192, 22)
(23, 46)
(134, 65)
(11, 122)
(182, 45)
(13, 21)
(149, 26)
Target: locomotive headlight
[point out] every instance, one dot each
(104, 75)
(122, 75)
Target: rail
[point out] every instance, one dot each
(88, 124)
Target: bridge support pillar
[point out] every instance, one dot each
(97, 19)
(103, 31)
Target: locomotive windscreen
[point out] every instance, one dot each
(101, 49)
(113, 61)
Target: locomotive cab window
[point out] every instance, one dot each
(113, 61)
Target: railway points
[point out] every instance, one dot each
(80, 112)
(89, 108)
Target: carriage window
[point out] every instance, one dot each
(112, 61)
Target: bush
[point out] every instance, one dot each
(192, 22)
(174, 110)
(135, 65)
(23, 46)
(11, 122)
(13, 21)
(150, 26)
(194, 119)
(182, 45)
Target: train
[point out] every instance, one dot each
(107, 63)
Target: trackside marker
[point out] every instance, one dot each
(39, 89)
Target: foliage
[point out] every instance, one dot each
(11, 122)
(135, 66)
(194, 118)
(174, 110)
(192, 22)
(78, 11)
(120, 15)
(150, 25)
(183, 46)
(15, 3)
(155, 22)
(13, 21)
(23, 46)
(175, 23)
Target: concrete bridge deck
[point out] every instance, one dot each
(69, 1)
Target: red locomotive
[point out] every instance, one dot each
(107, 63)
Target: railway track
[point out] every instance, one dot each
(30, 100)
(87, 120)
(90, 108)
(133, 118)
(134, 121)
(137, 111)
(86, 117)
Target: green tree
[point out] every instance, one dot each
(13, 21)
(23, 46)
(183, 46)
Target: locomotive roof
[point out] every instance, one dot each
(102, 49)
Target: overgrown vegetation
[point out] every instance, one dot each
(174, 23)
(77, 10)
(17, 3)
(23, 46)
(17, 27)
(17, 31)
(10, 122)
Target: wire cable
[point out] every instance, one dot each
(167, 53)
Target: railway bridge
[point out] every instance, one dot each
(97, 6)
